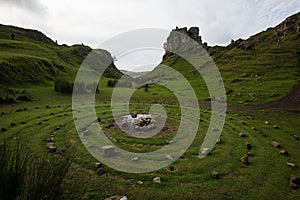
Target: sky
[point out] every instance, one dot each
(93, 22)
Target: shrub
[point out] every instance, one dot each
(27, 176)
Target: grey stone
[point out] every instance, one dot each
(108, 151)
(156, 180)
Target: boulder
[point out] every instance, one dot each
(156, 180)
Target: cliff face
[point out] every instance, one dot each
(177, 40)
(288, 26)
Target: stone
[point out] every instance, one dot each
(116, 197)
(135, 159)
(295, 137)
(294, 179)
(85, 133)
(36, 107)
(47, 106)
(133, 115)
(276, 144)
(169, 157)
(23, 122)
(245, 160)
(249, 117)
(3, 129)
(38, 123)
(25, 109)
(275, 127)
(230, 118)
(292, 165)
(293, 186)
(52, 149)
(215, 175)
(242, 122)
(140, 182)
(12, 124)
(59, 150)
(250, 153)
(219, 141)
(205, 151)
(49, 140)
(284, 152)
(242, 134)
(98, 165)
(100, 171)
(156, 180)
(214, 129)
(248, 145)
(170, 142)
(267, 123)
(253, 128)
(108, 151)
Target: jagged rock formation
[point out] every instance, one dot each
(177, 40)
(286, 27)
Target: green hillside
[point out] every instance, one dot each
(32, 57)
(259, 69)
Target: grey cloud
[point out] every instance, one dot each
(33, 6)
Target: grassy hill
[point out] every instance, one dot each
(259, 69)
(34, 58)
(265, 65)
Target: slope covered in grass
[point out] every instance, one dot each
(34, 58)
(259, 69)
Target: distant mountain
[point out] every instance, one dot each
(133, 74)
(29, 56)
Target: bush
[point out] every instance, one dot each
(63, 86)
(27, 176)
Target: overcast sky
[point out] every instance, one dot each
(94, 21)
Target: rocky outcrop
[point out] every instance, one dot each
(286, 27)
(177, 40)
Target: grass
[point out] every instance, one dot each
(49, 114)
(191, 178)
